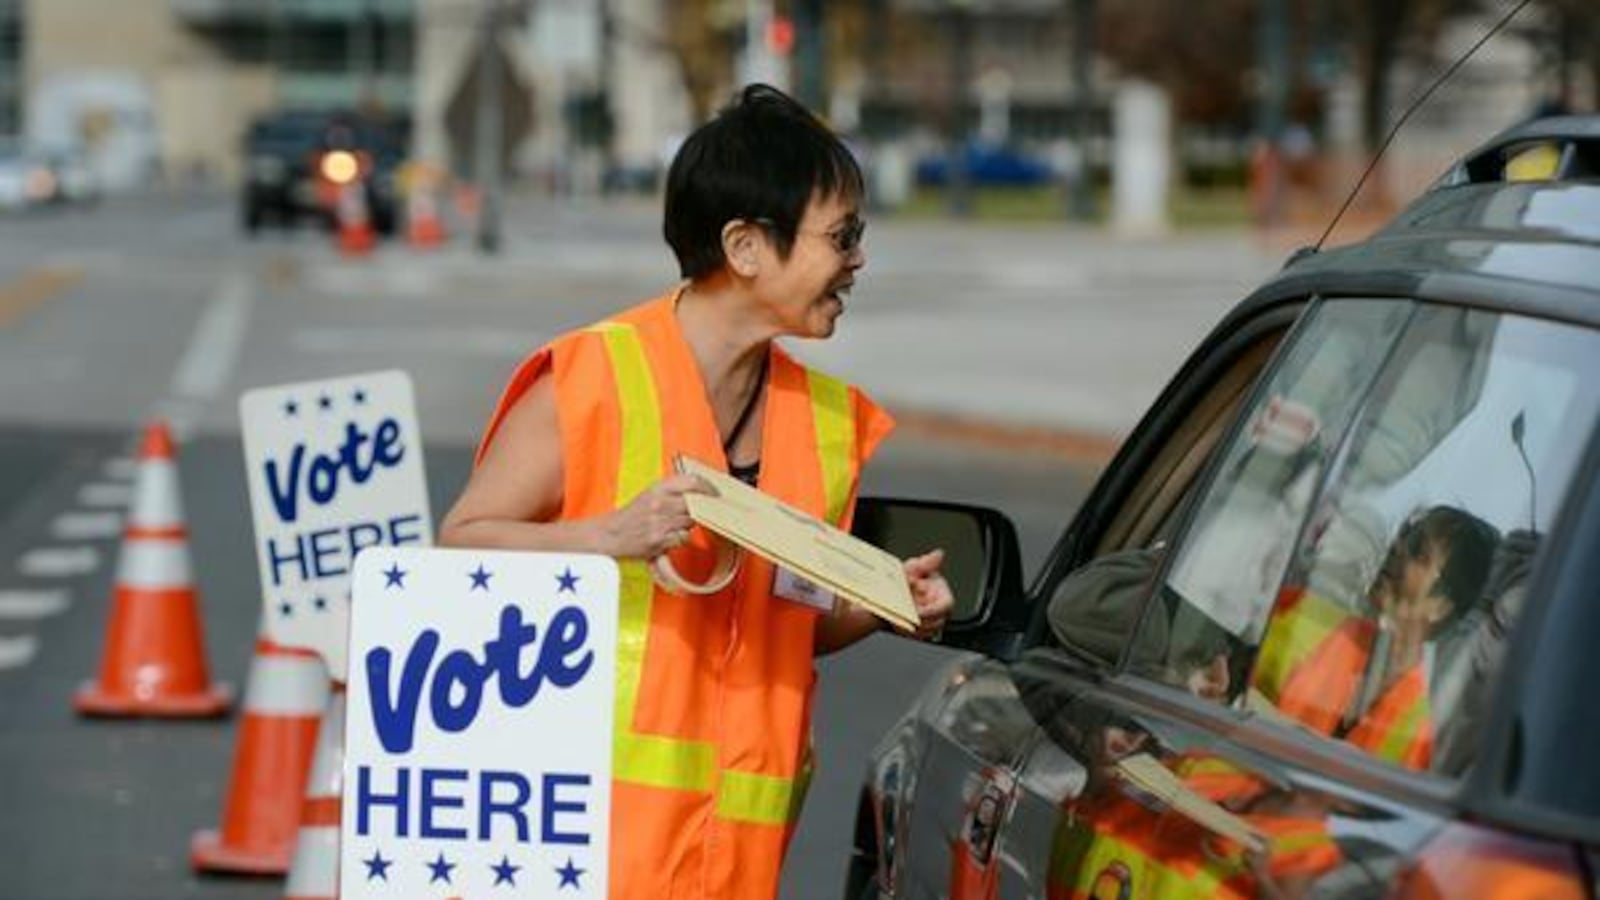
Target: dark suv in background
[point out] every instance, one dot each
(292, 166)
(1328, 624)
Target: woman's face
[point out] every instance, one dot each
(807, 292)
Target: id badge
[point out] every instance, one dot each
(792, 587)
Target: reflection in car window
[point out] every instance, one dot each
(1390, 627)
(1227, 568)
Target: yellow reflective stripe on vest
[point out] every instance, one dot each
(755, 798)
(639, 462)
(1292, 637)
(836, 438)
(1396, 739)
(642, 758)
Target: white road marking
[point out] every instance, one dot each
(86, 526)
(33, 604)
(208, 361)
(120, 468)
(58, 562)
(429, 341)
(104, 493)
(17, 651)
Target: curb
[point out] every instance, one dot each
(1067, 444)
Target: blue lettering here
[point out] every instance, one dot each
(450, 807)
(455, 687)
(328, 552)
(358, 456)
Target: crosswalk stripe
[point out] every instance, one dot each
(33, 604)
(17, 650)
(119, 468)
(85, 526)
(103, 494)
(58, 562)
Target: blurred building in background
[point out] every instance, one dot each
(596, 93)
(167, 87)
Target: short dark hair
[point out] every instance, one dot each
(764, 157)
(1468, 543)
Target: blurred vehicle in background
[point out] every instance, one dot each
(76, 181)
(297, 160)
(27, 180)
(987, 164)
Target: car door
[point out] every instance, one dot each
(1308, 677)
(950, 777)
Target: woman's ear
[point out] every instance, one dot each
(741, 247)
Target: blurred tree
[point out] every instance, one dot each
(700, 37)
(1383, 33)
(1202, 53)
(1572, 35)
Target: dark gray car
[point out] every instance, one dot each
(1326, 626)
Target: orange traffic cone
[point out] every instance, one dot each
(315, 872)
(282, 705)
(356, 237)
(423, 226)
(155, 661)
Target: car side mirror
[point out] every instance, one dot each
(983, 562)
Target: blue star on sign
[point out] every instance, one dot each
(285, 609)
(441, 870)
(569, 875)
(291, 408)
(505, 873)
(480, 578)
(360, 396)
(568, 581)
(377, 866)
(325, 402)
(321, 603)
(394, 576)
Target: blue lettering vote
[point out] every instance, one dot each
(319, 479)
(455, 691)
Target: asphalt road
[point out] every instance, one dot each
(106, 808)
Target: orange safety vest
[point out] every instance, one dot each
(1312, 661)
(713, 703)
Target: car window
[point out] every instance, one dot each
(1094, 608)
(1409, 576)
(1226, 568)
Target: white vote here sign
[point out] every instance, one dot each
(478, 738)
(334, 467)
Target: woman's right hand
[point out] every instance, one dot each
(655, 522)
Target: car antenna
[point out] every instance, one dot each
(1415, 105)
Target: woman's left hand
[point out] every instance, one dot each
(930, 592)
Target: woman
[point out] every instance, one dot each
(713, 697)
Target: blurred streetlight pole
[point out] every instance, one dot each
(810, 55)
(607, 63)
(488, 130)
(1272, 98)
(958, 181)
(1080, 187)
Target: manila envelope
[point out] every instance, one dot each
(803, 544)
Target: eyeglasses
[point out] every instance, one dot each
(845, 238)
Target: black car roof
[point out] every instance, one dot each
(1531, 247)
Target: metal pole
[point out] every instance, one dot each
(488, 132)
(363, 52)
(1080, 186)
(1273, 52)
(810, 55)
(608, 138)
(958, 181)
